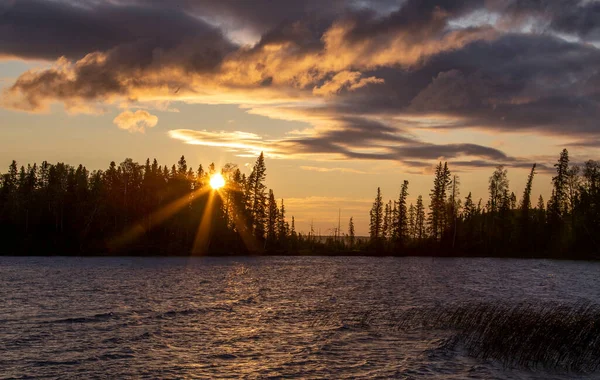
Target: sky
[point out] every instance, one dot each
(342, 96)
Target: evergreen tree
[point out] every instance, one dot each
(437, 215)
(351, 232)
(526, 201)
(470, 209)
(387, 230)
(182, 166)
(560, 181)
(525, 217)
(411, 222)
(272, 219)
(498, 186)
(402, 221)
(420, 218)
(282, 228)
(257, 198)
(376, 221)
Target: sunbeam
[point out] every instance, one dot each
(146, 224)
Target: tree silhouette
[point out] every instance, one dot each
(376, 221)
(149, 208)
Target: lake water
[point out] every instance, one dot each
(309, 317)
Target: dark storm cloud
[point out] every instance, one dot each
(42, 29)
(576, 17)
(516, 82)
(582, 20)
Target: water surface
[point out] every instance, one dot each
(311, 317)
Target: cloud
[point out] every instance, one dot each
(366, 76)
(245, 143)
(329, 170)
(136, 121)
(344, 80)
(39, 29)
(350, 138)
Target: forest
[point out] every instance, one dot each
(566, 226)
(152, 209)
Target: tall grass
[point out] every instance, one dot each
(550, 336)
(546, 335)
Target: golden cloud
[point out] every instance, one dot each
(136, 121)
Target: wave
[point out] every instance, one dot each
(92, 319)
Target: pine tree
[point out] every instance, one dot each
(526, 201)
(469, 210)
(420, 218)
(351, 232)
(257, 198)
(540, 205)
(282, 228)
(411, 221)
(437, 215)
(498, 185)
(387, 226)
(559, 198)
(513, 201)
(272, 219)
(182, 167)
(402, 221)
(376, 221)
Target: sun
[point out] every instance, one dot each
(217, 181)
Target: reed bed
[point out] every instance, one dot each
(550, 336)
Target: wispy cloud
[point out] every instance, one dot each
(329, 170)
(237, 141)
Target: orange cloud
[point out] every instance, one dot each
(136, 121)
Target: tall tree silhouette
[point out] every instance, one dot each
(376, 220)
(401, 230)
(351, 235)
(437, 214)
(272, 220)
(525, 214)
(257, 198)
(420, 218)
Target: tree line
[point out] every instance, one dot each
(153, 209)
(133, 208)
(566, 226)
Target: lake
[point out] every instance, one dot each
(309, 317)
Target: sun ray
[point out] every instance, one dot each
(202, 240)
(155, 218)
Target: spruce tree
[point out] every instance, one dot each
(376, 214)
(420, 218)
(282, 227)
(558, 200)
(257, 198)
(437, 214)
(498, 185)
(351, 232)
(411, 221)
(272, 219)
(402, 221)
(525, 215)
